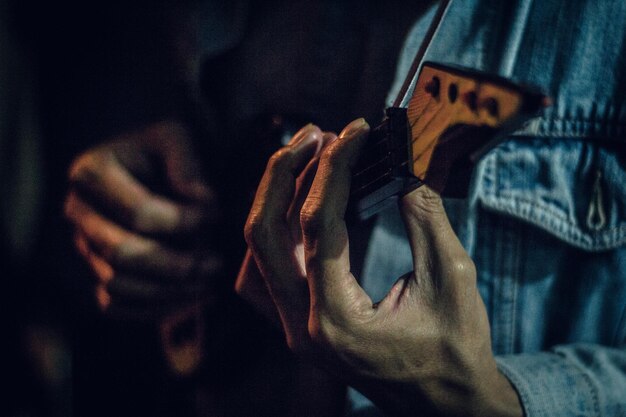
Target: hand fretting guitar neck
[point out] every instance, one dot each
(454, 116)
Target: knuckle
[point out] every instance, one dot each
(317, 220)
(462, 279)
(280, 161)
(463, 267)
(428, 202)
(312, 218)
(257, 231)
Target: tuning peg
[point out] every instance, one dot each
(433, 86)
(471, 100)
(491, 105)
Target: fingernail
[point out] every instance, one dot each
(355, 127)
(301, 134)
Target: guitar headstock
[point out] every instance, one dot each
(454, 116)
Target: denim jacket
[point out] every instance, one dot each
(545, 222)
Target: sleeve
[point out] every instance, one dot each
(569, 380)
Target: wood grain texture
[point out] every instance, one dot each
(457, 112)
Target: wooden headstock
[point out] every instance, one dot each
(453, 117)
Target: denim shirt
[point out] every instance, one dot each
(545, 221)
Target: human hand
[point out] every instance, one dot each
(285, 184)
(425, 348)
(138, 204)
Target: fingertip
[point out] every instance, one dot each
(355, 128)
(309, 131)
(346, 147)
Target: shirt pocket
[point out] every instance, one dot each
(573, 189)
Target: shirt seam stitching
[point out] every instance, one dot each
(616, 235)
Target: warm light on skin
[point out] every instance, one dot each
(103, 297)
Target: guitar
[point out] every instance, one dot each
(454, 116)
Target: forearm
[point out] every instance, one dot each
(568, 380)
(489, 394)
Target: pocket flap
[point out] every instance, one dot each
(573, 189)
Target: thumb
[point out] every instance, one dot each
(439, 259)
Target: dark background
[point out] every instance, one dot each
(97, 69)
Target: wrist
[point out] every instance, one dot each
(496, 396)
(485, 392)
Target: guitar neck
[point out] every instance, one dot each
(382, 171)
(454, 116)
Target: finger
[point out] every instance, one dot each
(126, 251)
(303, 186)
(267, 230)
(99, 266)
(268, 234)
(251, 286)
(332, 285)
(277, 186)
(103, 178)
(439, 259)
(102, 297)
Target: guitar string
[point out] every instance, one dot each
(414, 138)
(377, 165)
(385, 140)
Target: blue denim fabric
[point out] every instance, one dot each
(545, 222)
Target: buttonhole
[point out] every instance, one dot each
(596, 216)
